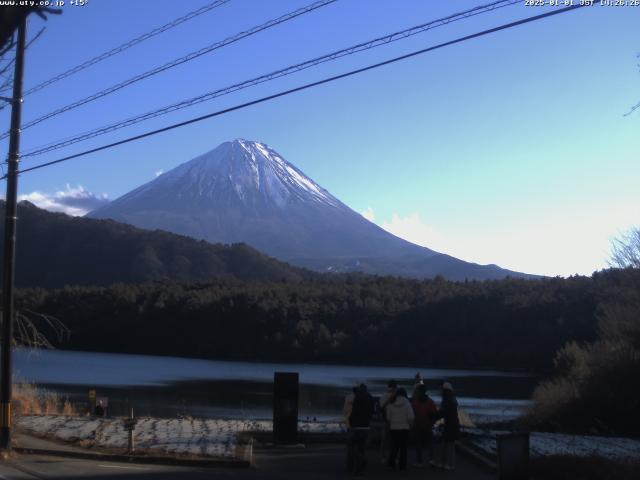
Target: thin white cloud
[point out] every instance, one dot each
(73, 201)
(368, 214)
(550, 246)
(413, 229)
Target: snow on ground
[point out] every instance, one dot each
(544, 444)
(188, 436)
(219, 437)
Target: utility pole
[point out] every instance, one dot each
(8, 267)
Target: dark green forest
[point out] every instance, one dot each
(511, 323)
(54, 250)
(158, 293)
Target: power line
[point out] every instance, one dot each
(306, 86)
(376, 42)
(125, 46)
(8, 84)
(178, 61)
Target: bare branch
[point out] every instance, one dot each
(8, 46)
(13, 59)
(7, 84)
(625, 250)
(13, 16)
(34, 330)
(637, 105)
(633, 109)
(40, 11)
(35, 37)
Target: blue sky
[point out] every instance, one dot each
(510, 149)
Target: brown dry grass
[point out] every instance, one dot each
(465, 419)
(29, 399)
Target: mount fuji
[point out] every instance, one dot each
(244, 191)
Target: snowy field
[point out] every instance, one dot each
(544, 444)
(183, 436)
(219, 438)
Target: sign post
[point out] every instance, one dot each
(92, 401)
(285, 407)
(130, 426)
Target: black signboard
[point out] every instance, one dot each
(513, 456)
(285, 407)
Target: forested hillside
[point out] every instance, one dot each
(508, 323)
(54, 250)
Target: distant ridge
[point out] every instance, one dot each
(54, 250)
(244, 191)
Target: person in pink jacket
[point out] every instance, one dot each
(400, 417)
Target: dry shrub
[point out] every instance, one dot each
(596, 392)
(552, 398)
(68, 409)
(28, 399)
(51, 401)
(465, 419)
(596, 384)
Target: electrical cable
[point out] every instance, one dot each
(125, 46)
(306, 86)
(269, 76)
(178, 61)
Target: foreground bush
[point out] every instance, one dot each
(29, 399)
(597, 384)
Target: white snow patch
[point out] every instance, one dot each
(287, 174)
(207, 437)
(262, 149)
(544, 444)
(304, 182)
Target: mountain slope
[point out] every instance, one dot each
(246, 192)
(54, 249)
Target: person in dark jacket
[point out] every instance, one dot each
(418, 380)
(362, 410)
(449, 412)
(424, 409)
(99, 411)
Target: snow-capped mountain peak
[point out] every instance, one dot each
(244, 191)
(266, 160)
(250, 171)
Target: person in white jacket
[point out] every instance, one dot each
(400, 417)
(384, 400)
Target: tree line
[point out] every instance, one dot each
(355, 319)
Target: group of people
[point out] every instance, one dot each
(403, 420)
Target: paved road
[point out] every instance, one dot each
(314, 462)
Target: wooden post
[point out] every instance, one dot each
(9, 254)
(131, 426)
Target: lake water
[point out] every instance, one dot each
(170, 386)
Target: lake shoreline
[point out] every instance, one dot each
(171, 386)
(514, 371)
